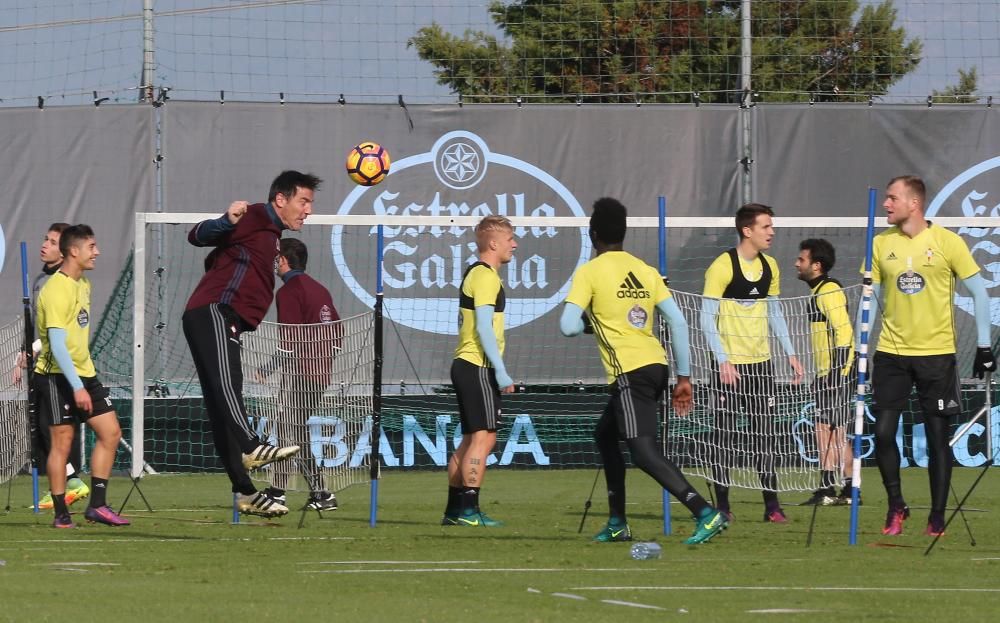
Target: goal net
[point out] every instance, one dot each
(561, 388)
(15, 444)
(311, 385)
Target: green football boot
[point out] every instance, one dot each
(711, 524)
(614, 531)
(477, 519)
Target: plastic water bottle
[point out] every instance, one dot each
(646, 551)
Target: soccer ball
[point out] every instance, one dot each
(368, 164)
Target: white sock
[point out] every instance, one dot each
(69, 469)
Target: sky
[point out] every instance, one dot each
(314, 50)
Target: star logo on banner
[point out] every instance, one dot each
(460, 162)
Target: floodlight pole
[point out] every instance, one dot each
(148, 53)
(746, 100)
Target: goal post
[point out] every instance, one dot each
(559, 380)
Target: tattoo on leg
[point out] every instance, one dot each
(474, 461)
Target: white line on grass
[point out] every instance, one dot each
(393, 562)
(466, 570)
(570, 596)
(782, 611)
(863, 589)
(79, 564)
(182, 540)
(630, 604)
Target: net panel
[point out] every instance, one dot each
(758, 429)
(15, 445)
(560, 382)
(311, 385)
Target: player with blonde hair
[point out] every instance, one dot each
(478, 372)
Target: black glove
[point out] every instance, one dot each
(587, 327)
(985, 362)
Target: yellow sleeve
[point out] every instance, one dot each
(55, 304)
(580, 290)
(484, 286)
(660, 291)
(960, 258)
(718, 276)
(775, 288)
(832, 302)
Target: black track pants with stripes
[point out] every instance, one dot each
(213, 335)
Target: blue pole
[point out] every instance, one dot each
(29, 363)
(859, 406)
(236, 509)
(376, 384)
(662, 246)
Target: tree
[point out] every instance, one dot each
(665, 50)
(962, 93)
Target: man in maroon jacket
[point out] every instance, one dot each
(310, 335)
(232, 297)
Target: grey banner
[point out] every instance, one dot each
(77, 165)
(96, 165)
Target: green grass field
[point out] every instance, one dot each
(186, 561)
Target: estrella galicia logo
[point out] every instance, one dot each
(637, 316)
(969, 195)
(910, 282)
(83, 318)
(423, 264)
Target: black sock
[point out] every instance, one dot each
(470, 499)
(274, 492)
(722, 497)
(454, 501)
(771, 500)
(848, 485)
(693, 501)
(828, 479)
(75, 474)
(59, 503)
(98, 491)
(616, 504)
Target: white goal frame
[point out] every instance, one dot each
(144, 219)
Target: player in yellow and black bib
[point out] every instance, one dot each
(620, 294)
(66, 385)
(741, 290)
(832, 338)
(478, 373)
(914, 267)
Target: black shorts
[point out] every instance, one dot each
(936, 378)
(833, 393)
(635, 400)
(478, 396)
(754, 393)
(56, 405)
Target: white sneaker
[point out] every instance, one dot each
(264, 455)
(261, 504)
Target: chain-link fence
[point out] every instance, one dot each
(447, 51)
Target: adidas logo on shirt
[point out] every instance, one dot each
(754, 292)
(632, 288)
(892, 256)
